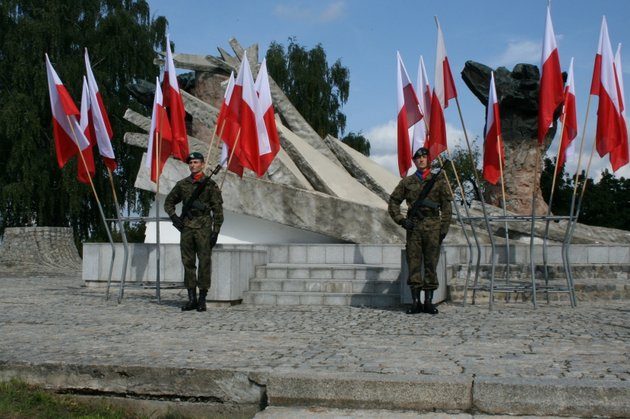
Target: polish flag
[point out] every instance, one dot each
(174, 106)
(160, 133)
(493, 151)
(69, 137)
(98, 119)
(569, 118)
(228, 128)
(619, 156)
(86, 171)
(420, 135)
(268, 141)
(609, 133)
(443, 91)
(408, 115)
(242, 109)
(551, 86)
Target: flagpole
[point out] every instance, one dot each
(461, 222)
(100, 207)
(123, 235)
(212, 141)
(507, 236)
(158, 144)
(238, 136)
(533, 225)
(547, 221)
(483, 203)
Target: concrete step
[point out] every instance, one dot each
(555, 271)
(325, 285)
(327, 271)
(284, 298)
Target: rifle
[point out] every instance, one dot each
(422, 200)
(191, 202)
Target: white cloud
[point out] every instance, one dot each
(516, 52)
(329, 13)
(383, 143)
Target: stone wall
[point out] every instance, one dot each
(39, 250)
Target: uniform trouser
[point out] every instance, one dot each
(423, 245)
(195, 244)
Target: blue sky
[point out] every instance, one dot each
(365, 35)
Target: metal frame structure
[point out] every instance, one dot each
(521, 287)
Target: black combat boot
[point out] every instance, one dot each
(428, 305)
(202, 300)
(416, 306)
(192, 300)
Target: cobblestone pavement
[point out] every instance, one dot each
(57, 320)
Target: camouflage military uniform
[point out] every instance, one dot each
(423, 241)
(206, 219)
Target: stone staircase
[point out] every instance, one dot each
(354, 275)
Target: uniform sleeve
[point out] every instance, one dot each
(173, 198)
(395, 199)
(446, 209)
(216, 204)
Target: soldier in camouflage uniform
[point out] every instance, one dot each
(425, 229)
(199, 228)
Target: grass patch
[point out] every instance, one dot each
(19, 400)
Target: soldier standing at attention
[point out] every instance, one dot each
(427, 224)
(199, 224)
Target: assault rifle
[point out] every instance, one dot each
(192, 201)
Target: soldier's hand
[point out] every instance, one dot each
(177, 222)
(213, 239)
(407, 224)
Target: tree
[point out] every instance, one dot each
(121, 37)
(358, 142)
(318, 91)
(605, 202)
(466, 167)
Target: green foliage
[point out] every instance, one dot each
(318, 91)
(121, 37)
(22, 401)
(358, 142)
(605, 203)
(466, 171)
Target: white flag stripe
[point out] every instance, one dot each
(100, 129)
(264, 103)
(68, 123)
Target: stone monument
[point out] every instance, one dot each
(517, 92)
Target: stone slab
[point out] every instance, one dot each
(584, 398)
(369, 391)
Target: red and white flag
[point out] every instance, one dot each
(569, 118)
(86, 171)
(619, 156)
(160, 136)
(493, 151)
(551, 86)
(98, 119)
(174, 106)
(609, 134)
(228, 128)
(443, 91)
(408, 114)
(420, 135)
(67, 133)
(242, 109)
(268, 141)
